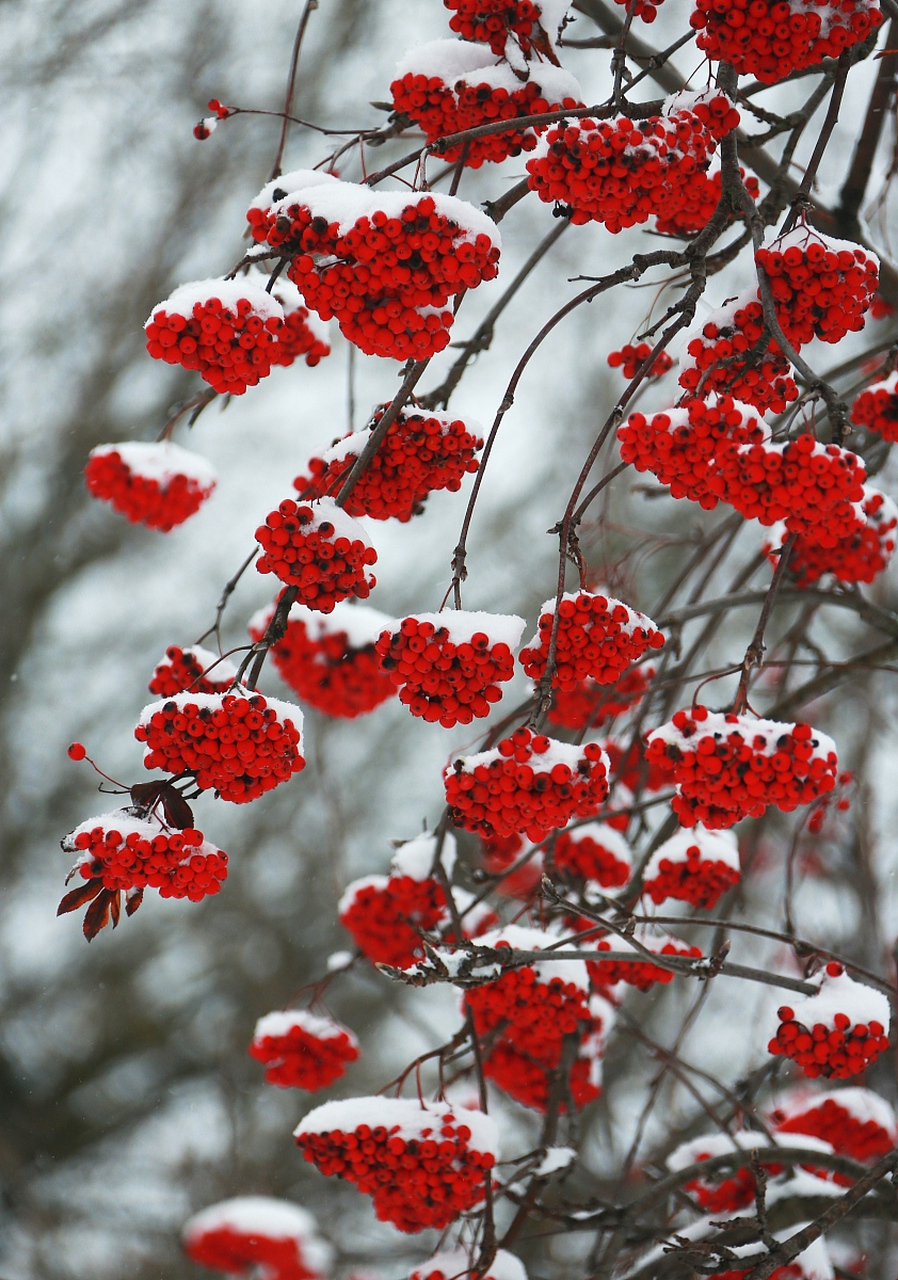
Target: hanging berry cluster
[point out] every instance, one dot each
(821, 287)
(159, 485)
(318, 549)
(732, 356)
(854, 1121)
(702, 198)
(596, 852)
(185, 669)
(697, 867)
(597, 638)
(531, 24)
(639, 973)
(589, 705)
(257, 1235)
(859, 556)
(877, 408)
(838, 1032)
(302, 1050)
(630, 358)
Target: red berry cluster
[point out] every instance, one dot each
(647, 10)
(239, 745)
(528, 783)
(732, 356)
(769, 39)
(837, 1032)
(299, 337)
(684, 447)
(877, 408)
(598, 637)
(855, 1122)
(387, 914)
(183, 669)
(384, 264)
(821, 288)
(880, 309)
(618, 172)
(446, 665)
(632, 770)
(589, 705)
(227, 330)
(702, 199)
(629, 359)
(697, 867)
(447, 87)
(728, 767)
(422, 1166)
(302, 1050)
(720, 1192)
(328, 660)
(499, 853)
(594, 851)
(857, 557)
(492, 22)
(319, 549)
(257, 1235)
(526, 1080)
(124, 851)
(159, 485)
(638, 973)
(420, 453)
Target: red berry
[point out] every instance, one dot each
(531, 24)
(594, 851)
(185, 669)
(77, 751)
(629, 359)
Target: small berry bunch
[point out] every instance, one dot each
(647, 10)
(227, 330)
(207, 127)
(859, 556)
(639, 973)
(596, 852)
(455, 1264)
(183, 669)
(448, 666)
(598, 637)
(683, 446)
(728, 767)
(239, 745)
(159, 485)
(877, 408)
(302, 1050)
(319, 549)
(302, 334)
(731, 355)
(450, 86)
(532, 1084)
(589, 705)
(629, 359)
(821, 288)
(696, 866)
(528, 783)
(703, 197)
(720, 1192)
(257, 1236)
(422, 1165)
(838, 1032)
(769, 39)
(531, 24)
(328, 659)
(855, 1122)
(618, 172)
(420, 453)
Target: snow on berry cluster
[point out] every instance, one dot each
(854, 1121)
(594, 851)
(531, 24)
(423, 1165)
(769, 39)
(455, 1264)
(385, 264)
(639, 972)
(448, 666)
(821, 287)
(728, 767)
(619, 172)
(328, 659)
(302, 1050)
(449, 86)
(732, 356)
(858, 556)
(239, 745)
(589, 705)
(629, 359)
(319, 549)
(876, 408)
(702, 198)
(386, 915)
(183, 669)
(421, 452)
(159, 485)
(258, 1236)
(528, 783)
(598, 637)
(227, 330)
(695, 866)
(838, 1032)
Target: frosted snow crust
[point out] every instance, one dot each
(361, 625)
(415, 857)
(228, 292)
(161, 461)
(282, 1021)
(520, 938)
(404, 1118)
(713, 846)
(454, 61)
(263, 1216)
(462, 625)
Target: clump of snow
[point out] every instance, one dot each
(555, 1158)
(841, 994)
(716, 725)
(213, 702)
(228, 292)
(263, 1216)
(713, 846)
(361, 624)
(405, 1118)
(461, 625)
(283, 1021)
(161, 461)
(455, 61)
(520, 938)
(415, 858)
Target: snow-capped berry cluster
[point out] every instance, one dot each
(448, 666)
(854, 1121)
(720, 1192)
(258, 1236)
(420, 452)
(702, 198)
(126, 850)
(876, 408)
(455, 1264)
(386, 915)
(422, 1165)
(594, 851)
(318, 548)
(183, 669)
(598, 637)
(857, 557)
(684, 447)
(385, 264)
(730, 355)
(159, 485)
(302, 1050)
(629, 359)
(693, 866)
(302, 334)
(499, 855)
(528, 783)
(821, 288)
(239, 745)
(531, 24)
(450, 86)
(328, 659)
(227, 330)
(589, 705)
(639, 973)
(838, 1032)
(728, 767)
(619, 172)
(769, 39)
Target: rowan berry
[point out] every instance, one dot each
(855, 1122)
(733, 356)
(629, 359)
(876, 408)
(695, 866)
(596, 852)
(185, 669)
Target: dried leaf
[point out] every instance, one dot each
(133, 901)
(115, 907)
(97, 915)
(178, 812)
(77, 898)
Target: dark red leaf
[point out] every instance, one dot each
(176, 809)
(77, 898)
(133, 901)
(97, 915)
(115, 907)
(146, 794)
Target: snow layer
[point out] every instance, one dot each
(161, 461)
(454, 61)
(283, 710)
(405, 1118)
(523, 939)
(282, 1021)
(462, 625)
(714, 846)
(415, 857)
(556, 753)
(715, 725)
(840, 995)
(228, 292)
(361, 625)
(263, 1216)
